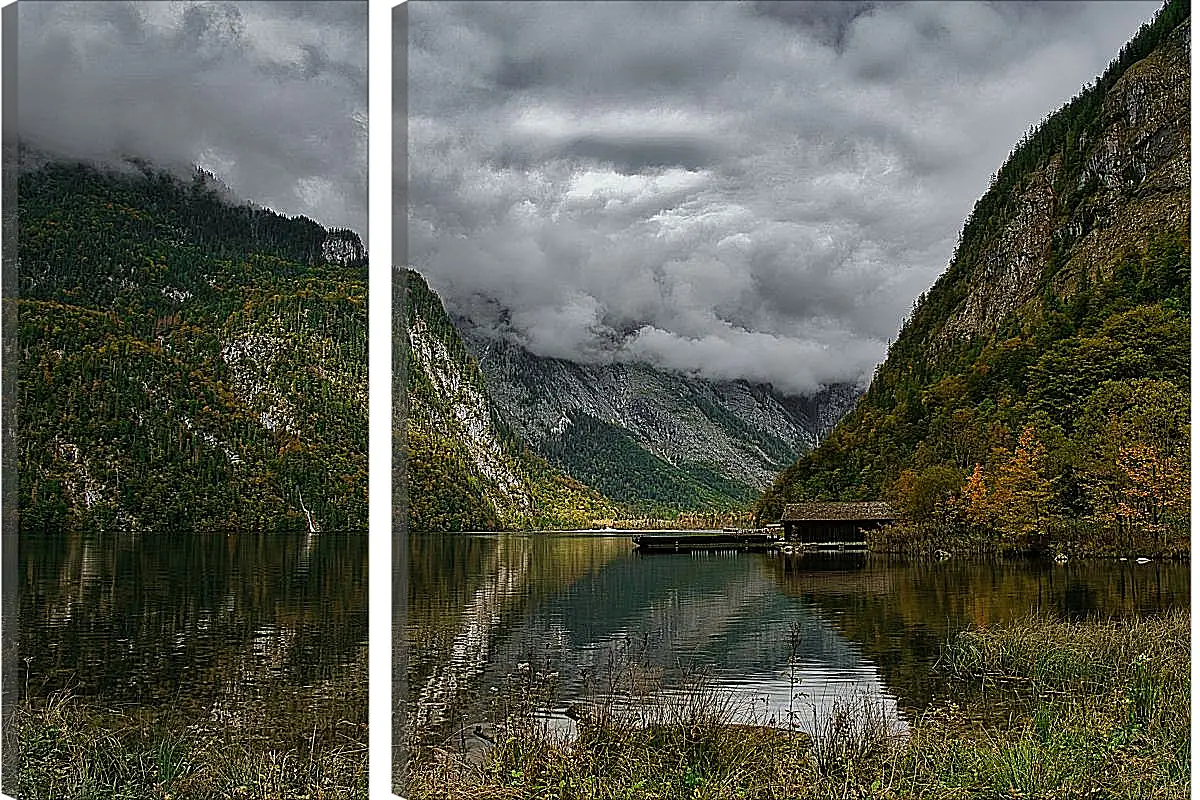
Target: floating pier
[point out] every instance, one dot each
(693, 541)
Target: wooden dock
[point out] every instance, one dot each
(694, 541)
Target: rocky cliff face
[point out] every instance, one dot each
(1008, 273)
(451, 404)
(343, 247)
(1119, 180)
(465, 467)
(741, 431)
(1139, 168)
(1070, 286)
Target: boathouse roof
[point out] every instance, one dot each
(838, 512)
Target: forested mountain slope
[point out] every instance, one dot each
(656, 439)
(1042, 384)
(466, 469)
(185, 363)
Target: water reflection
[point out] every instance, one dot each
(263, 631)
(901, 613)
(787, 637)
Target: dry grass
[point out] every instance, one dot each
(71, 748)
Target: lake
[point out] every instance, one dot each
(787, 638)
(258, 639)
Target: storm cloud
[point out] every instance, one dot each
(269, 96)
(752, 190)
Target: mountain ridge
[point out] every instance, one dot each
(184, 363)
(741, 432)
(1041, 386)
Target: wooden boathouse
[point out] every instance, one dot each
(833, 526)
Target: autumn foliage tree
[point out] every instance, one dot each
(1152, 489)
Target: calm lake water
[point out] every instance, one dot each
(259, 636)
(784, 637)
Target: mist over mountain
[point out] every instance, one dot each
(270, 97)
(683, 199)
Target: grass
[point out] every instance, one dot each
(1098, 708)
(1046, 709)
(73, 748)
(698, 757)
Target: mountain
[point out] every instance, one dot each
(466, 468)
(184, 362)
(1042, 384)
(657, 439)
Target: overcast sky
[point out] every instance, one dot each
(270, 96)
(735, 189)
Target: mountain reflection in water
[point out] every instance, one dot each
(785, 638)
(259, 636)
